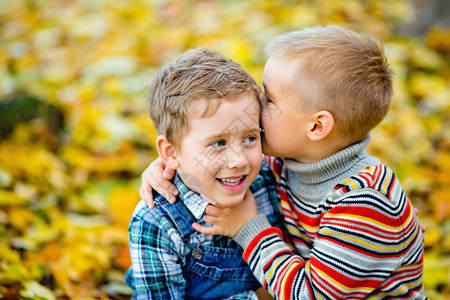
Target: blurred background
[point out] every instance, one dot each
(75, 134)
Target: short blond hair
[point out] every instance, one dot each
(341, 71)
(199, 74)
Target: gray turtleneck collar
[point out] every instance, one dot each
(312, 181)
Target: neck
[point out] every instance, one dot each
(319, 150)
(312, 181)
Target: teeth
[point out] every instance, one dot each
(232, 181)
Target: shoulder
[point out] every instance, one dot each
(375, 188)
(379, 178)
(144, 214)
(151, 225)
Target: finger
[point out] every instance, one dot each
(153, 182)
(212, 210)
(168, 173)
(162, 175)
(164, 187)
(213, 220)
(147, 196)
(211, 230)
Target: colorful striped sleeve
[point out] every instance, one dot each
(365, 246)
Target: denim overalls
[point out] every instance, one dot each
(210, 272)
(219, 271)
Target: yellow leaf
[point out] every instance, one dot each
(439, 39)
(20, 218)
(11, 198)
(122, 203)
(122, 258)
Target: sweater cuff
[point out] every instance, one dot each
(250, 229)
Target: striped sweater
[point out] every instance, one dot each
(352, 232)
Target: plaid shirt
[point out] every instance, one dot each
(158, 252)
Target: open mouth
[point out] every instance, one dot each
(233, 184)
(232, 181)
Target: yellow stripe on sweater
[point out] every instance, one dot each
(373, 221)
(343, 287)
(402, 290)
(361, 242)
(386, 180)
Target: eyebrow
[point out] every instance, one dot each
(224, 135)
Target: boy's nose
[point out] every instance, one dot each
(236, 159)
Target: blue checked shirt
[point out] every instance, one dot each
(158, 252)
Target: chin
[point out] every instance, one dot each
(233, 200)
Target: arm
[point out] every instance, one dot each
(157, 176)
(157, 273)
(355, 250)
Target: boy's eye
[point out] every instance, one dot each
(266, 100)
(218, 144)
(250, 139)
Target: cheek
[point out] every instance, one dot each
(270, 122)
(213, 165)
(255, 158)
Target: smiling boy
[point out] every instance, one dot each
(206, 110)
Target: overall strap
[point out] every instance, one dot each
(181, 217)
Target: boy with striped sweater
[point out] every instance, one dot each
(352, 230)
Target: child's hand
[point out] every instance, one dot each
(157, 176)
(228, 220)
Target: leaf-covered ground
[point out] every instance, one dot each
(75, 135)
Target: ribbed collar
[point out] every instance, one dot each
(312, 181)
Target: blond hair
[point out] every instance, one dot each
(199, 74)
(341, 71)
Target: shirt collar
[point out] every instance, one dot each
(193, 201)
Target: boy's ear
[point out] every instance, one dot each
(167, 152)
(321, 126)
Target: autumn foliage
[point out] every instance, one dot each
(75, 135)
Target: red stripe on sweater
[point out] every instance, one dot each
(292, 261)
(331, 289)
(391, 184)
(379, 170)
(364, 176)
(290, 277)
(363, 212)
(276, 255)
(350, 247)
(377, 232)
(340, 277)
(255, 241)
(408, 273)
(292, 211)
